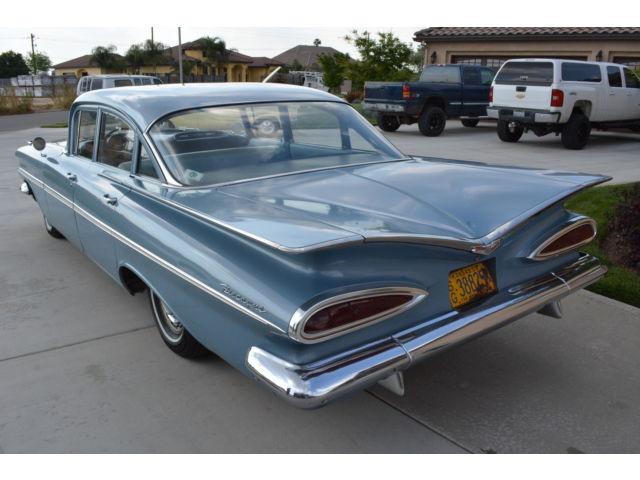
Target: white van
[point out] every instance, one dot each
(566, 97)
(97, 82)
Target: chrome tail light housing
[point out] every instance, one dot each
(579, 232)
(344, 313)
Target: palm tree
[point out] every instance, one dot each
(214, 49)
(106, 57)
(135, 57)
(154, 52)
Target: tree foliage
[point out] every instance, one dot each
(383, 57)
(12, 64)
(214, 50)
(135, 57)
(317, 42)
(334, 68)
(38, 62)
(106, 57)
(154, 52)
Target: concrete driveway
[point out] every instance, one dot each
(612, 153)
(82, 369)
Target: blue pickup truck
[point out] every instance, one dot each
(443, 91)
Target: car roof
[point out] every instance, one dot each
(118, 75)
(146, 104)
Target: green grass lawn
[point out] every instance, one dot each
(372, 119)
(55, 125)
(621, 283)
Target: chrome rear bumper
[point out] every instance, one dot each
(313, 385)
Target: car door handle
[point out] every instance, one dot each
(71, 177)
(108, 199)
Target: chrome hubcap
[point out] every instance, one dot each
(168, 322)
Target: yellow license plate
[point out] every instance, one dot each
(469, 284)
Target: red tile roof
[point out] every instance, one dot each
(525, 33)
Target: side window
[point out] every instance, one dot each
(156, 81)
(630, 79)
(581, 72)
(486, 76)
(86, 133)
(116, 142)
(96, 84)
(137, 81)
(471, 76)
(122, 83)
(84, 84)
(314, 125)
(146, 167)
(615, 78)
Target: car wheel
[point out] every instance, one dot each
(432, 121)
(575, 133)
(470, 122)
(388, 123)
(509, 134)
(175, 336)
(51, 230)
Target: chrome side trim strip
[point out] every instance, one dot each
(300, 317)
(313, 385)
(173, 269)
(573, 224)
(27, 176)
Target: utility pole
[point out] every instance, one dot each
(153, 49)
(180, 54)
(34, 63)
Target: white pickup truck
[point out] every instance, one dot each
(565, 97)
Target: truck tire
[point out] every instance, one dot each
(470, 122)
(388, 123)
(575, 133)
(432, 121)
(507, 134)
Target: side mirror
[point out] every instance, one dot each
(39, 143)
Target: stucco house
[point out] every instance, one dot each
(491, 46)
(235, 67)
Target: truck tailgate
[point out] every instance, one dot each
(382, 91)
(521, 96)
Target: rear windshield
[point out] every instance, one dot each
(440, 75)
(526, 73)
(214, 145)
(581, 72)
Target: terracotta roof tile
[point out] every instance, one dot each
(508, 33)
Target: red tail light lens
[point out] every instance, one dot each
(557, 98)
(353, 311)
(569, 238)
(490, 94)
(406, 91)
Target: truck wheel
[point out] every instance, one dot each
(432, 121)
(508, 134)
(175, 336)
(388, 123)
(575, 133)
(470, 122)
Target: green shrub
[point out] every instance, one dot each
(11, 104)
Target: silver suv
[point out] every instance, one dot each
(96, 82)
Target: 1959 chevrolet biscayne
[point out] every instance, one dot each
(274, 226)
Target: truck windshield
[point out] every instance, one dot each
(526, 73)
(216, 145)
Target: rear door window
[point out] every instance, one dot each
(614, 76)
(96, 84)
(581, 72)
(471, 76)
(526, 73)
(86, 133)
(630, 79)
(116, 142)
(440, 75)
(122, 83)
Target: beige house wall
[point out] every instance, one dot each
(589, 49)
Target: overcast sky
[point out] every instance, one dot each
(65, 43)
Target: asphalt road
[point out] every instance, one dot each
(12, 123)
(613, 153)
(82, 369)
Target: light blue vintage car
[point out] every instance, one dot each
(274, 226)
